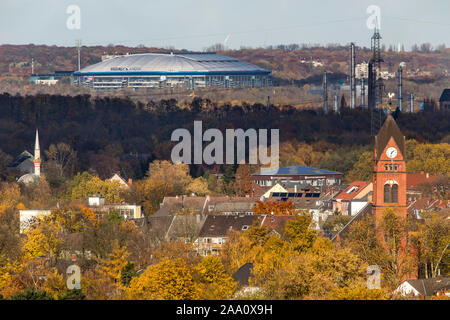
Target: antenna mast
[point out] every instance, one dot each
(78, 44)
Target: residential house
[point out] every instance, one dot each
(122, 182)
(424, 288)
(353, 198)
(419, 206)
(97, 204)
(413, 181)
(215, 230)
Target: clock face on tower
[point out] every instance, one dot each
(391, 152)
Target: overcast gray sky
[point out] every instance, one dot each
(196, 24)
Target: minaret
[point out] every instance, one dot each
(37, 156)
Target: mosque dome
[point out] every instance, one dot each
(28, 178)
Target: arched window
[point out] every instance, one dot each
(387, 193)
(394, 193)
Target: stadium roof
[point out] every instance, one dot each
(296, 170)
(171, 64)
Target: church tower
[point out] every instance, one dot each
(37, 156)
(389, 171)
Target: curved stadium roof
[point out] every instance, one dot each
(296, 170)
(173, 63)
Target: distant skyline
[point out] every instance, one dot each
(197, 24)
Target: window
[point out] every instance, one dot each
(387, 193)
(391, 193)
(394, 193)
(244, 227)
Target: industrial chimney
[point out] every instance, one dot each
(352, 77)
(325, 93)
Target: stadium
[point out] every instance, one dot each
(159, 70)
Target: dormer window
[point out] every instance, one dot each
(244, 228)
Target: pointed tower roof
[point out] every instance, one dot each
(36, 145)
(388, 130)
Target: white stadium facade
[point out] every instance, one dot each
(159, 70)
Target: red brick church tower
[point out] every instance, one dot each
(389, 171)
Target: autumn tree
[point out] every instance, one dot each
(274, 207)
(62, 158)
(434, 244)
(243, 183)
(176, 175)
(198, 186)
(167, 280)
(214, 282)
(113, 266)
(85, 185)
(149, 194)
(362, 169)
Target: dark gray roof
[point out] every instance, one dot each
(367, 210)
(430, 286)
(236, 207)
(243, 274)
(173, 63)
(21, 158)
(158, 226)
(445, 96)
(219, 225)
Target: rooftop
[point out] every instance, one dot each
(352, 190)
(297, 170)
(171, 63)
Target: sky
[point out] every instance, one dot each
(197, 24)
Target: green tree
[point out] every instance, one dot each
(363, 168)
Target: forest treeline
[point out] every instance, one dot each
(118, 135)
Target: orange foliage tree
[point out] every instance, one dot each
(274, 207)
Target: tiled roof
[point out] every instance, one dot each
(197, 205)
(233, 206)
(430, 286)
(219, 225)
(276, 222)
(355, 187)
(414, 179)
(428, 204)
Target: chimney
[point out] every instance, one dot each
(130, 181)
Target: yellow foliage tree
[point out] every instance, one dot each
(114, 264)
(176, 175)
(198, 186)
(215, 283)
(9, 196)
(359, 292)
(167, 280)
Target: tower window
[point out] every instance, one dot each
(391, 193)
(394, 193)
(387, 193)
